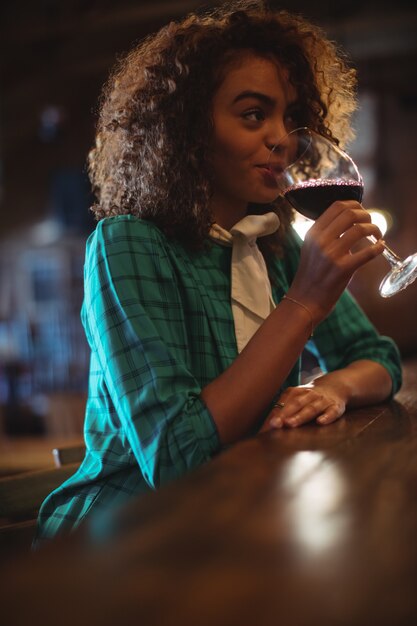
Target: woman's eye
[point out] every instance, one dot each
(254, 115)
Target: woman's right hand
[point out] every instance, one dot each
(328, 258)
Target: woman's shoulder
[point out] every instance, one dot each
(125, 232)
(123, 240)
(125, 226)
(124, 250)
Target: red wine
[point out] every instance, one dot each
(313, 197)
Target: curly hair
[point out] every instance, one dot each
(152, 143)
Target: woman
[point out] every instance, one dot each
(189, 353)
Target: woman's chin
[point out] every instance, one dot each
(265, 198)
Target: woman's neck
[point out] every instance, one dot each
(227, 214)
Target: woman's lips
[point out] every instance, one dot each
(267, 173)
(277, 167)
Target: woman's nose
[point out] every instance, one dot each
(280, 148)
(277, 137)
(283, 149)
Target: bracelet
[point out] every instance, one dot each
(285, 297)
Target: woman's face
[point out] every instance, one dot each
(254, 107)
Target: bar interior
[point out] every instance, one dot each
(311, 525)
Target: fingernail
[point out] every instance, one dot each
(322, 419)
(292, 421)
(276, 422)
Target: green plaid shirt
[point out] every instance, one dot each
(159, 322)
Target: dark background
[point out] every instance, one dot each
(59, 52)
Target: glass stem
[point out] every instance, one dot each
(389, 254)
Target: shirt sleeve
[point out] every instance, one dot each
(347, 334)
(136, 325)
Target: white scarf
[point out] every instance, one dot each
(251, 296)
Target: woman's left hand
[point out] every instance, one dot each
(303, 404)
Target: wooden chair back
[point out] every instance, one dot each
(66, 455)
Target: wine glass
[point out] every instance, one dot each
(312, 172)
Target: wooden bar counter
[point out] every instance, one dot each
(316, 525)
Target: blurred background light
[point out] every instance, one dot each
(301, 225)
(382, 219)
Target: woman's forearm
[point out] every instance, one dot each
(360, 383)
(325, 399)
(242, 393)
